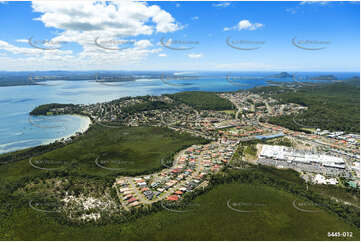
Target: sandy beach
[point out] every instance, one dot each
(84, 126)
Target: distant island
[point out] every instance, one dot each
(281, 75)
(320, 77)
(41, 77)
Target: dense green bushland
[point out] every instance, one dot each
(211, 214)
(331, 106)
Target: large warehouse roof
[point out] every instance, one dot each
(290, 155)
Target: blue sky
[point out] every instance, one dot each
(238, 36)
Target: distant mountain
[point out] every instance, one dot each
(281, 75)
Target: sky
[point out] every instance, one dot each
(203, 36)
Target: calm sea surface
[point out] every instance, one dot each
(19, 130)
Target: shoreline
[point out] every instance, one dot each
(84, 126)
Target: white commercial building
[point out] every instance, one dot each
(290, 155)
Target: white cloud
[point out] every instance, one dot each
(221, 5)
(162, 55)
(195, 56)
(30, 51)
(22, 40)
(143, 44)
(195, 18)
(244, 25)
(118, 18)
(165, 22)
(314, 2)
(303, 4)
(177, 5)
(81, 22)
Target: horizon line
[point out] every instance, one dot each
(336, 71)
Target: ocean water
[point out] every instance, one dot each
(19, 130)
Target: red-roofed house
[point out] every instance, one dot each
(144, 189)
(173, 198)
(133, 199)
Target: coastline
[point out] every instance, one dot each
(85, 123)
(84, 126)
